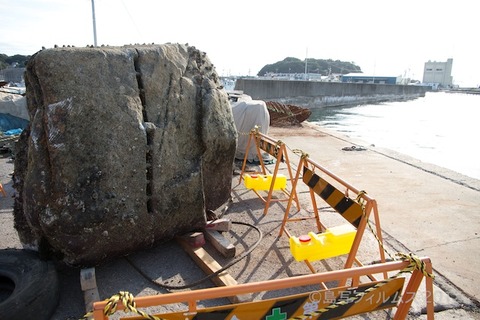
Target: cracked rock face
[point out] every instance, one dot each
(127, 146)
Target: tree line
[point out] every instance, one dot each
(6, 60)
(288, 65)
(323, 67)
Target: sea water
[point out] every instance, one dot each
(441, 128)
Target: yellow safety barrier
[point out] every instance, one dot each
(332, 242)
(356, 210)
(276, 149)
(335, 302)
(264, 182)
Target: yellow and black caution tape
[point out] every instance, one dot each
(128, 301)
(255, 130)
(300, 153)
(359, 198)
(415, 264)
(362, 203)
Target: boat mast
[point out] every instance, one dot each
(306, 63)
(94, 24)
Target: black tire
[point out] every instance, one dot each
(28, 285)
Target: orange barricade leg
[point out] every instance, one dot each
(276, 149)
(2, 190)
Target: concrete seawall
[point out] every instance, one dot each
(312, 94)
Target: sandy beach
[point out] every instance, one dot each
(423, 209)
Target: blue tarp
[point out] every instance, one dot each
(13, 132)
(9, 122)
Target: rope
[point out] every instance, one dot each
(415, 264)
(128, 302)
(255, 131)
(362, 203)
(300, 153)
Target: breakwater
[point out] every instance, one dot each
(312, 94)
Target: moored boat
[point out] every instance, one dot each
(281, 115)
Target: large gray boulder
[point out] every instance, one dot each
(127, 146)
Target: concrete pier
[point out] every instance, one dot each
(424, 209)
(312, 94)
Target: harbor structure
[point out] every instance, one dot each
(366, 78)
(438, 74)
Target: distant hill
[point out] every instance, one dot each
(320, 66)
(6, 61)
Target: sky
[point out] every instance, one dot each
(384, 38)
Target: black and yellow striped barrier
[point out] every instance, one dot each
(351, 210)
(352, 204)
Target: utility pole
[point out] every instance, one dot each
(94, 24)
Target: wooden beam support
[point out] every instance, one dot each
(222, 225)
(220, 243)
(88, 284)
(209, 265)
(194, 239)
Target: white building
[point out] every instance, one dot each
(438, 74)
